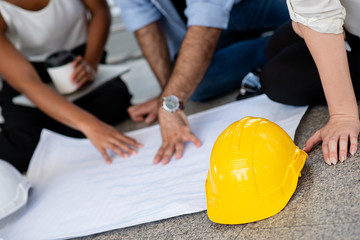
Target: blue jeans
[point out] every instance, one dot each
(241, 48)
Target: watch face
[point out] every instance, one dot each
(171, 103)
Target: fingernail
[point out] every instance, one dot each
(333, 161)
(328, 161)
(352, 152)
(342, 159)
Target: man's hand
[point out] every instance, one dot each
(335, 136)
(194, 58)
(146, 111)
(175, 131)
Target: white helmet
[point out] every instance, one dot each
(13, 189)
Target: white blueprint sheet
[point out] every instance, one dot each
(75, 193)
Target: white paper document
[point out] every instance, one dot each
(105, 73)
(76, 194)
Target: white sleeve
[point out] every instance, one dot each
(324, 16)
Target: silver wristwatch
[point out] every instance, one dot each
(172, 103)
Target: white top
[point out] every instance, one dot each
(61, 25)
(327, 16)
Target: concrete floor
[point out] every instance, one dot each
(325, 205)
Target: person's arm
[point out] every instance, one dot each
(329, 54)
(152, 42)
(194, 58)
(26, 81)
(141, 17)
(98, 31)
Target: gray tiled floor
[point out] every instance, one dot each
(325, 205)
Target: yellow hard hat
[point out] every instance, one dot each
(254, 170)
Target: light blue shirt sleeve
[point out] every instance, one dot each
(138, 13)
(209, 13)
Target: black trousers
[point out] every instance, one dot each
(290, 76)
(21, 130)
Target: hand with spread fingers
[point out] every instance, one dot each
(343, 126)
(175, 131)
(146, 111)
(83, 72)
(105, 137)
(336, 136)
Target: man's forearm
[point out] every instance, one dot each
(154, 47)
(194, 58)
